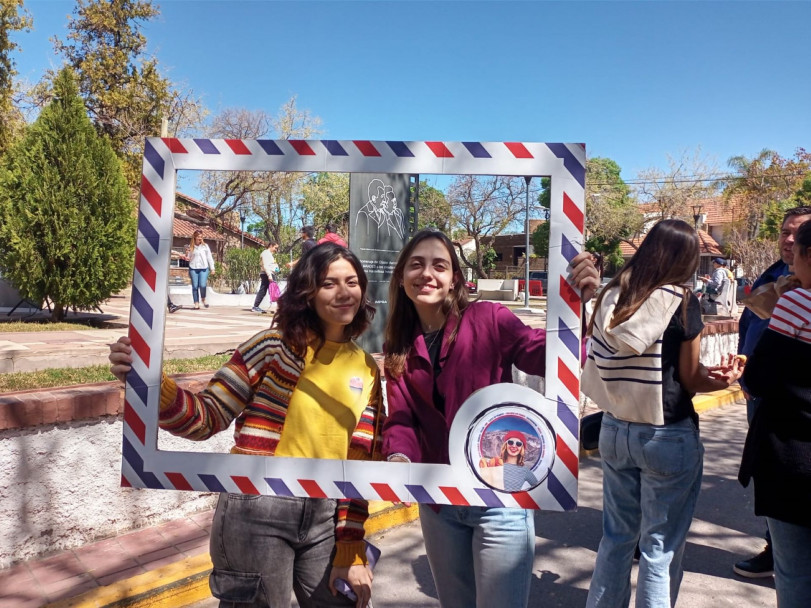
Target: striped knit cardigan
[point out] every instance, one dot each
(623, 371)
(254, 388)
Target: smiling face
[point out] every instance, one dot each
(514, 447)
(338, 299)
(787, 234)
(428, 276)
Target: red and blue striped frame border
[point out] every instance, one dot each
(144, 465)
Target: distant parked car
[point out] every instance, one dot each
(536, 275)
(471, 287)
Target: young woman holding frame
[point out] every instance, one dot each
(440, 348)
(302, 388)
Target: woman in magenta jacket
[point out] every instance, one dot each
(440, 348)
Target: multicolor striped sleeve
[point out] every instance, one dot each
(366, 442)
(350, 550)
(230, 390)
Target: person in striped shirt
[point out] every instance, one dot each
(777, 453)
(642, 370)
(302, 388)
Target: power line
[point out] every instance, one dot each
(716, 177)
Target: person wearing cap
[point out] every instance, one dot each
(512, 454)
(714, 285)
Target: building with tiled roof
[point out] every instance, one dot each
(220, 233)
(716, 216)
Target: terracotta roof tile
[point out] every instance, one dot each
(707, 245)
(184, 229)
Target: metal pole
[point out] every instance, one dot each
(527, 179)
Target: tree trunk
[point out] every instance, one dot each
(58, 313)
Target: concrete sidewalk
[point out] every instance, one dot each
(188, 333)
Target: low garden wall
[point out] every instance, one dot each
(60, 471)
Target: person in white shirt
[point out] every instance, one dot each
(267, 278)
(201, 264)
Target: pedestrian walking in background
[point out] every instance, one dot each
(642, 371)
(332, 236)
(307, 243)
(777, 453)
(267, 278)
(750, 329)
(201, 264)
(302, 388)
(440, 348)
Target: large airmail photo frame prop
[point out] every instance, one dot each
(547, 423)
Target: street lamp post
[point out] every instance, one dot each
(696, 217)
(242, 217)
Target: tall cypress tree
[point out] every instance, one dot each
(67, 224)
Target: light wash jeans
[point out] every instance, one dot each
(199, 280)
(480, 556)
(651, 479)
(791, 546)
(264, 548)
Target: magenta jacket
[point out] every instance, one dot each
(490, 340)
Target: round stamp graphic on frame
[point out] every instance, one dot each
(508, 444)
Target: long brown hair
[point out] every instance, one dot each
(194, 236)
(403, 317)
(669, 255)
(296, 317)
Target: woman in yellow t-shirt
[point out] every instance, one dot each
(301, 388)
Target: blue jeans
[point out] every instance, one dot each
(264, 548)
(199, 280)
(651, 479)
(480, 556)
(791, 546)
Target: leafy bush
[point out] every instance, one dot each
(241, 266)
(67, 223)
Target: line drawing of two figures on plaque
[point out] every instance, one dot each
(381, 210)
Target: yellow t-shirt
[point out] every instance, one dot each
(333, 390)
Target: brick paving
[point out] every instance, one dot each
(70, 573)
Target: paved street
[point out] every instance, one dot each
(723, 530)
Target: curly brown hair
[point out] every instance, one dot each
(296, 318)
(403, 316)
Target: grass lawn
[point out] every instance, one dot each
(50, 378)
(41, 325)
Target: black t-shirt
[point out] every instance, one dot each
(676, 401)
(307, 245)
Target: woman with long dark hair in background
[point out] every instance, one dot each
(642, 370)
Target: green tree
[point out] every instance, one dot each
(325, 198)
(612, 215)
(11, 120)
(67, 226)
(764, 185)
(272, 197)
(434, 209)
(485, 206)
(122, 87)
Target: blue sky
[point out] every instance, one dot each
(635, 81)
